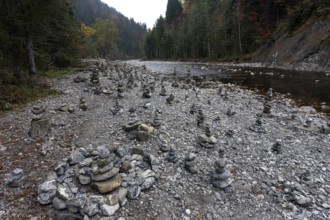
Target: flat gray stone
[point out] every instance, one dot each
(105, 176)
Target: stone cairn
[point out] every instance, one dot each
(40, 126)
(171, 156)
(221, 176)
(257, 127)
(133, 122)
(277, 148)
(95, 78)
(268, 101)
(200, 117)
(83, 105)
(207, 140)
(157, 121)
(17, 179)
(190, 163)
(170, 99)
(163, 91)
(147, 93)
(117, 108)
(114, 175)
(130, 81)
(120, 90)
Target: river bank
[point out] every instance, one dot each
(290, 181)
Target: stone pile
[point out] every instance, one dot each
(83, 105)
(268, 101)
(221, 176)
(170, 99)
(200, 117)
(207, 140)
(117, 108)
(115, 176)
(257, 127)
(40, 125)
(95, 78)
(190, 163)
(147, 93)
(163, 91)
(171, 156)
(157, 121)
(120, 90)
(17, 178)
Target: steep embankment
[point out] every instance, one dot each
(308, 48)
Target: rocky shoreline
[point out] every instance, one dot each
(181, 149)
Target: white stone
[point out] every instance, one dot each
(109, 210)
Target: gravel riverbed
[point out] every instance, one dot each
(280, 172)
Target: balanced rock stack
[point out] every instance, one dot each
(117, 108)
(95, 78)
(83, 105)
(40, 126)
(67, 189)
(163, 91)
(157, 122)
(200, 117)
(257, 127)
(190, 163)
(104, 175)
(171, 156)
(147, 93)
(17, 179)
(120, 90)
(221, 176)
(268, 101)
(207, 140)
(170, 99)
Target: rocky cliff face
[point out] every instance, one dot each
(306, 49)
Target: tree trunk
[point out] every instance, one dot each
(239, 28)
(32, 64)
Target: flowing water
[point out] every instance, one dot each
(306, 88)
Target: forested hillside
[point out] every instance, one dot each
(230, 29)
(126, 36)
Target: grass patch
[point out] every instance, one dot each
(58, 73)
(13, 96)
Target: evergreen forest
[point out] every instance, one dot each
(226, 29)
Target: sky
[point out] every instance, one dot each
(143, 11)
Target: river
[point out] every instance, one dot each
(306, 88)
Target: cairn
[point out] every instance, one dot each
(117, 108)
(171, 156)
(17, 179)
(170, 99)
(190, 163)
(147, 93)
(268, 101)
(130, 81)
(95, 78)
(221, 176)
(257, 127)
(163, 91)
(207, 140)
(40, 126)
(200, 117)
(120, 90)
(157, 122)
(83, 105)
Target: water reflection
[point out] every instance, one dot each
(306, 88)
